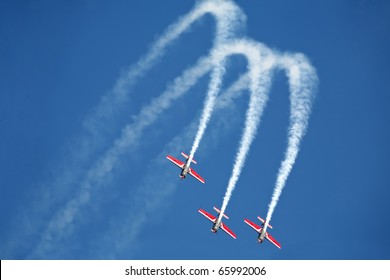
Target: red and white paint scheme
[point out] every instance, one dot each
(262, 232)
(185, 167)
(217, 222)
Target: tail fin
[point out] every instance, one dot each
(263, 221)
(186, 156)
(219, 211)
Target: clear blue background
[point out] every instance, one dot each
(58, 58)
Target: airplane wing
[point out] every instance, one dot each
(176, 161)
(196, 175)
(273, 240)
(228, 230)
(207, 215)
(253, 225)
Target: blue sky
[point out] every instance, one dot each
(58, 59)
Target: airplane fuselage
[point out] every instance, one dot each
(185, 170)
(260, 239)
(216, 226)
(261, 236)
(262, 231)
(217, 222)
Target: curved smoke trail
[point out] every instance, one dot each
(212, 93)
(260, 62)
(302, 84)
(302, 80)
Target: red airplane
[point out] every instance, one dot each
(263, 232)
(185, 167)
(217, 222)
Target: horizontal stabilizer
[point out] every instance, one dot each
(219, 211)
(186, 156)
(263, 221)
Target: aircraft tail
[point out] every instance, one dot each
(186, 156)
(219, 211)
(263, 221)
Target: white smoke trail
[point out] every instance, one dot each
(302, 84)
(226, 27)
(214, 89)
(259, 84)
(260, 62)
